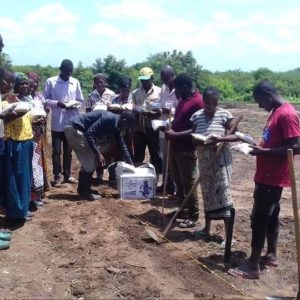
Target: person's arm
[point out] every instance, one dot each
(90, 134)
(291, 143)
(227, 138)
(290, 128)
(51, 103)
(12, 116)
(123, 147)
(171, 134)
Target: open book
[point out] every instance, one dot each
(8, 109)
(72, 104)
(22, 107)
(125, 106)
(156, 124)
(202, 138)
(244, 148)
(100, 106)
(245, 138)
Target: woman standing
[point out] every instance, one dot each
(215, 170)
(40, 137)
(18, 158)
(38, 125)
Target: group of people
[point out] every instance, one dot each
(119, 127)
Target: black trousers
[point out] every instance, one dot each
(265, 213)
(59, 139)
(148, 138)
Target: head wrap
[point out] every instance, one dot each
(33, 76)
(20, 77)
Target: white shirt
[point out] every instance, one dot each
(147, 101)
(167, 100)
(58, 90)
(141, 98)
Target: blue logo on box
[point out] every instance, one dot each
(145, 189)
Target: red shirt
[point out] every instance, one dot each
(184, 110)
(282, 124)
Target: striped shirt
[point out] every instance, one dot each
(216, 125)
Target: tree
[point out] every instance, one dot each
(85, 77)
(181, 62)
(263, 74)
(5, 61)
(112, 67)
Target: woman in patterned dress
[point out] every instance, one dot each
(215, 171)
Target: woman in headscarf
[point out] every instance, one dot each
(40, 137)
(38, 123)
(18, 150)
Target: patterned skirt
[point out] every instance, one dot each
(37, 160)
(215, 181)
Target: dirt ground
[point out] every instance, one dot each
(78, 249)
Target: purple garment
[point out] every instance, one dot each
(185, 109)
(58, 90)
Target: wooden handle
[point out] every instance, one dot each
(186, 199)
(295, 206)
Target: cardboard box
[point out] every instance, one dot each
(136, 183)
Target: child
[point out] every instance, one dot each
(100, 94)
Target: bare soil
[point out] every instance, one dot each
(79, 249)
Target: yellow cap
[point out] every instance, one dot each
(146, 73)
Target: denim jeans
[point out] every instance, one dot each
(59, 139)
(265, 213)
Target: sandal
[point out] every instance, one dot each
(243, 274)
(187, 224)
(268, 262)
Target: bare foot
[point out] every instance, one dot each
(247, 271)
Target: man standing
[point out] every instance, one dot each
(281, 132)
(81, 133)
(63, 96)
(183, 159)
(168, 102)
(146, 104)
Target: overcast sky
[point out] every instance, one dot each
(222, 34)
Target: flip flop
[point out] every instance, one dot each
(269, 263)
(187, 224)
(243, 274)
